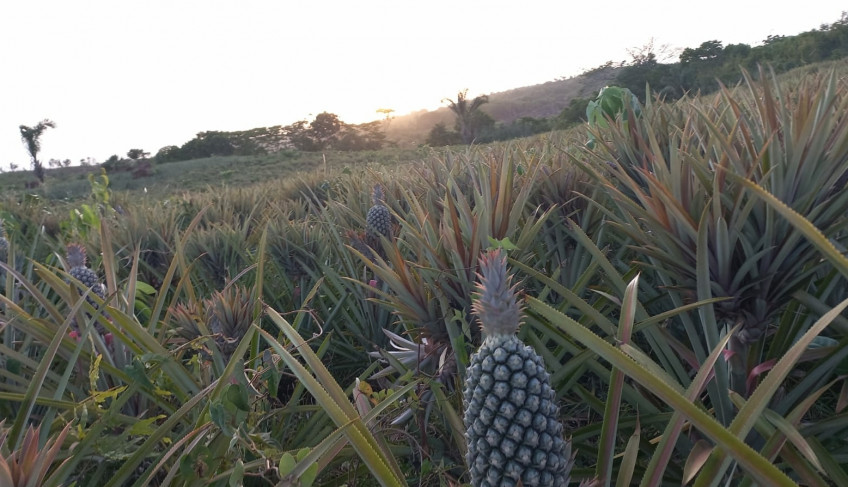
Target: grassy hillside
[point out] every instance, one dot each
(199, 175)
(538, 101)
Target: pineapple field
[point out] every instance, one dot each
(653, 298)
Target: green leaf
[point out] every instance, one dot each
(237, 477)
(801, 224)
(756, 404)
(219, 415)
(301, 454)
(237, 395)
(332, 398)
(760, 468)
(503, 243)
(187, 468)
(101, 396)
(628, 462)
(143, 427)
(696, 459)
(287, 463)
(612, 409)
(308, 477)
(94, 372)
(138, 373)
(144, 288)
(822, 342)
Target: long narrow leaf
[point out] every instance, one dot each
(612, 410)
(760, 468)
(757, 402)
(333, 399)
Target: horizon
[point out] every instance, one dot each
(115, 78)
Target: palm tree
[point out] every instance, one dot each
(465, 113)
(31, 137)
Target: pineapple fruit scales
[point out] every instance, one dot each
(77, 262)
(378, 221)
(511, 417)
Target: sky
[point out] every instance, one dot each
(116, 75)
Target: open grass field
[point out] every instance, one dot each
(69, 184)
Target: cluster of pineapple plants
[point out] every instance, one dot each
(676, 314)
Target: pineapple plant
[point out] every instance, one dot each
(511, 417)
(77, 262)
(185, 318)
(27, 462)
(229, 314)
(705, 234)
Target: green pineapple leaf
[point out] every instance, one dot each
(504, 243)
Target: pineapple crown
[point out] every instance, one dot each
(76, 255)
(185, 318)
(377, 196)
(496, 303)
(230, 311)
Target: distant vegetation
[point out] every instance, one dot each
(327, 131)
(700, 69)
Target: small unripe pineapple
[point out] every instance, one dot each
(78, 270)
(378, 221)
(511, 417)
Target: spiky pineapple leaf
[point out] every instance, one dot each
(753, 463)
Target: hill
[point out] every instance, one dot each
(538, 101)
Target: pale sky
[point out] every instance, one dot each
(116, 75)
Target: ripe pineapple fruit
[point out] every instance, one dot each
(511, 417)
(78, 270)
(378, 221)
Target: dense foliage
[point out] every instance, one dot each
(700, 69)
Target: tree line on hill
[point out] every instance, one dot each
(325, 132)
(699, 69)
